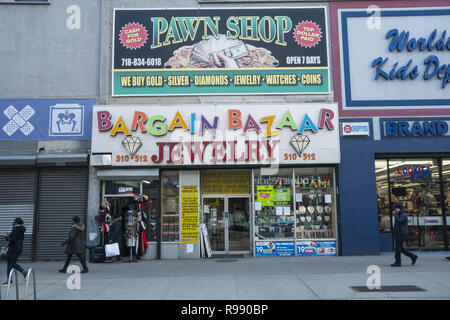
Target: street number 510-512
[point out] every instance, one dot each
(294, 156)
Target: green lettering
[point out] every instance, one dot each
(161, 27)
(263, 30)
(232, 26)
(287, 120)
(212, 25)
(188, 27)
(284, 25)
(159, 129)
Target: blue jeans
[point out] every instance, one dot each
(12, 263)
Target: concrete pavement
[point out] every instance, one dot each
(265, 278)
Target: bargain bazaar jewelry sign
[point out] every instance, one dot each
(217, 134)
(220, 51)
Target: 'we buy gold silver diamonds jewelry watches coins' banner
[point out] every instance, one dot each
(220, 51)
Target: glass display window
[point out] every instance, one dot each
(122, 187)
(274, 210)
(170, 202)
(416, 184)
(446, 190)
(315, 203)
(151, 189)
(383, 202)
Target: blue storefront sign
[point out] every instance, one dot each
(46, 119)
(426, 127)
(275, 249)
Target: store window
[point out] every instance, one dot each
(416, 184)
(151, 189)
(170, 213)
(384, 211)
(122, 187)
(274, 210)
(446, 188)
(314, 201)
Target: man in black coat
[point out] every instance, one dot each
(74, 244)
(15, 239)
(400, 234)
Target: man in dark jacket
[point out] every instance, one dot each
(400, 233)
(116, 234)
(15, 239)
(74, 244)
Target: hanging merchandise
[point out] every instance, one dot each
(104, 220)
(131, 231)
(141, 238)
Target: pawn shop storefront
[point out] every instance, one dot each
(256, 180)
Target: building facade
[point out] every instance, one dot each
(264, 129)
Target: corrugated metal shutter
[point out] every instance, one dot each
(62, 195)
(17, 188)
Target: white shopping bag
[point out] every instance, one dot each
(112, 250)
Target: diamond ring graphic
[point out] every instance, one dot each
(299, 143)
(132, 145)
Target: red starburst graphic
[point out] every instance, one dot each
(133, 35)
(307, 34)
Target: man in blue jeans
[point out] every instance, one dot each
(15, 239)
(400, 233)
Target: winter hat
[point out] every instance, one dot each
(18, 221)
(76, 219)
(398, 205)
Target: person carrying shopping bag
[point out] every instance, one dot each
(115, 236)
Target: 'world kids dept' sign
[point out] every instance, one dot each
(217, 134)
(395, 58)
(220, 51)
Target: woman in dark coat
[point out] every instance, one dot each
(116, 234)
(74, 244)
(15, 239)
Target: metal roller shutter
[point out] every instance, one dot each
(62, 194)
(17, 199)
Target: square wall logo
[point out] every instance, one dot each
(66, 120)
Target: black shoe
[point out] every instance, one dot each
(414, 259)
(25, 274)
(396, 264)
(6, 283)
(448, 258)
(62, 271)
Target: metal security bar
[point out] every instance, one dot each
(30, 272)
(9, 284)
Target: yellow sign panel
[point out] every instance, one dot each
(189, 214)
(226, 182)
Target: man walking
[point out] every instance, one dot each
(400, 233)
(74, 244)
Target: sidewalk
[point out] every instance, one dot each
(284, 278)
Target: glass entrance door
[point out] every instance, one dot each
(238, 224)
(213, 217)
(227, 219)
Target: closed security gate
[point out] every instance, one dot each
(17, 199)
(62, 195)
